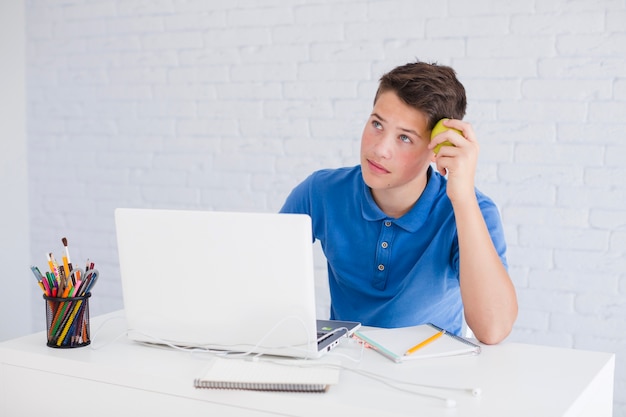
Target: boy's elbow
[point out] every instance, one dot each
(495, 332)
(492, 337)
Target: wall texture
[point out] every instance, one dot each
(226, 105)
(14, 221)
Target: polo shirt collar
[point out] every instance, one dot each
(417, 216)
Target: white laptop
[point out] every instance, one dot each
(227, 281)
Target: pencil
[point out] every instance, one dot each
(424, 343)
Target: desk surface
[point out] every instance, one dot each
(515, 380)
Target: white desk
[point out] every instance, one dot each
(114, 376)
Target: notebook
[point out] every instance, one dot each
(229, 281)
(416, 342)
(292, 375)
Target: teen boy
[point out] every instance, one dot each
(405, 243)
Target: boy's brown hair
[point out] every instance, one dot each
(430, 88)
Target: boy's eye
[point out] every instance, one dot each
(405, 139)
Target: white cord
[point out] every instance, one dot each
(304, 362)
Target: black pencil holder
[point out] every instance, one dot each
(67, 321)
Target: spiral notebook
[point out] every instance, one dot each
(268, 375)
(416, 342)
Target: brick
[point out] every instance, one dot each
(297, 109)
(280, 128)
(374, 31)
(274, 53)
(493, 68)
(79, 29)
(95, 10)
(615, 154)
(551, 24)
(337, 12)
(224, 109)
(607, 219)
(557, 154)
(352, 51)
(533, 320)
(163, 194)
(250, 90)
(547, 301)
(548, 215)
(338, 71)
(539, 110)
(114, 43)
(398, 52)
(487, 7)
(607, 112)
(137, 76)
(584, 239)
(571, 89)
(606, 198)
(617, 242)
(512, 46)
(207, 127)
(172, 40)
(615, 21)
(594, 45)
(184, 92)
(207, 57)
(529, 257)
(479, 26)
(604, 305)
(492, 89)
(605, 177)
(195, 21)
(261, 16)
(319, 89)
(141, 7)
(581, 283)
(231, 37)
(306, 34)
(619, 89)
(264, 72)
(206, 74)
(135, 24)
(591, 133)
(590, 261)
(405, 10)
(594, 325)
(584, 66)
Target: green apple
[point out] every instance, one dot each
(439, 127)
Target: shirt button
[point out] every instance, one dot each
(381, 267)
(387, 223)
(384, 245)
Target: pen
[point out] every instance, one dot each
(424, 343)
(377, 347)
(39, 278)
(52, 283)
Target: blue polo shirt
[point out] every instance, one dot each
(382, 271)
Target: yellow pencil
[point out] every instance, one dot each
(424, 343)
(69, 323)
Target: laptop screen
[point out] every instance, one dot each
(223, 280)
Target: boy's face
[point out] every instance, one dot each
(394, 146)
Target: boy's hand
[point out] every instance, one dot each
(458, 162)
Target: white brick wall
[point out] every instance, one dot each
(207, 105)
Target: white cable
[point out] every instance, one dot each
(388, 381)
